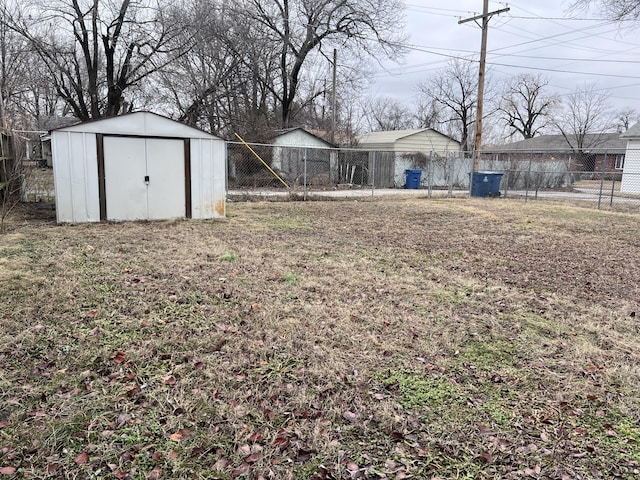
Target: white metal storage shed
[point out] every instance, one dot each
(138, 166)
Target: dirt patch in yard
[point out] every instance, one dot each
(395, 338)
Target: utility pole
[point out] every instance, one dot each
(332, 137)
(486, 15)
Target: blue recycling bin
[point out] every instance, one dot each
(413, 178)
(485, 184)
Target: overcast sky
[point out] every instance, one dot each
(534, 37)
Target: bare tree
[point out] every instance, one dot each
(626, 118)
(586, 115)
(613, 9)
(15, 67)
(296, 29)
(525, 108)
(11, 169)
(455, 90)
(96, 51)
(386, 113)
(428, 113)
(216, 84)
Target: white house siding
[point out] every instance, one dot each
(631, 171)
(300, 139)
(76, 177)
(293, 139)
(427, 142)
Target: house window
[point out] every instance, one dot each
(619, 162)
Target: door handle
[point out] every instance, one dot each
(146, 179)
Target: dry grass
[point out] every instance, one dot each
(328, 340)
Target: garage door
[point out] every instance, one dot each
(144, 178)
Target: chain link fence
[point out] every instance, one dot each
(598, 177)
(25, 173)
(33, 150)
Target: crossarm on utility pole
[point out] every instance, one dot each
(486, 15)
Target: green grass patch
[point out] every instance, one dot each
(488, 354)
(416, 390)
(228, 257)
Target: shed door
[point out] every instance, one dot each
(165, 168)
(144, 178)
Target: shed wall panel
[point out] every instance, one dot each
(208, 178)
(76, 177)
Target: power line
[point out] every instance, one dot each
(431, 50)
(424, 8)
(566, 19)
(529, 67)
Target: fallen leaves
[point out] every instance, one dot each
(241, 470)
(181, 434)
(222, 464)
(123, 419)
(156, 360)
(119, 357)
(533, 472)
(281, 440)
(155, 474)
(350, 416)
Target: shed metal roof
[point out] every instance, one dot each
(138, 123)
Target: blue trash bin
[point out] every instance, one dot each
(485, 184)
(413, 178)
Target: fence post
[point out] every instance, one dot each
(373, 173)
(449, 166)
(227, 154)
(613, 184)
(304, 158)
(429, 174)
(506, 183)
(526, 193)
(602, 175)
